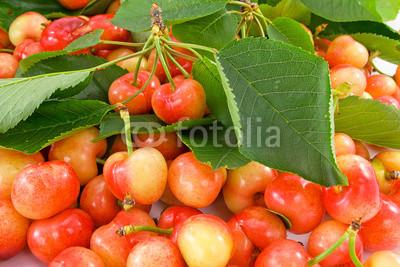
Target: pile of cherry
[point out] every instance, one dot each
(68, 215)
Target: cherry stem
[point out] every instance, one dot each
(100, 161)
(238, 3)
(6, 50)
(260, 26)
(392, 175)
(191, 46)
(259, 14)
(179, 54)
(352, 249)
(136, 73)
(164, 63)
(127, 203)
(130, 229)
(243, 30)
(124, 113)
(128, 44)
(182, 69)
(330, 250)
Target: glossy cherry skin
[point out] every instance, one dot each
(98, 201)
(381, 85)
(352, 76)
(73, 4)
(11, 163)
(113, 7)
(8, 65)
(122, 88)
(61, 32)
(167, 143)
(48, 237)
(128, 64)
(345, 50)
(155, 252)
(245, 186)
(389, 100)
(344, 144)
(359, 200)
(325, 235)
(29, 25)
(118, 145)
(390, 159)
(27, 48)
(383, 258)
(194, 183)
(386, 184)
(77, 256)
(243, 248)
(142, 176)
(382, 231)
(205, 240)
(42, 190)
(188, 101)
(80, 151)
(13, 229)
(4, 40)
(297, 199)
(362, 150)
(283, 253)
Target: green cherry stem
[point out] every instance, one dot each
(164, 63)
(130, 229)
(127, 44)
(179, 54)
(182, 69)
(243, 30)
(260, 26)
(137, 68)
(124, 113)
(190, 46)
(352, 249)
(238, 3)
(329, 251)
(260, 15)
(6, 50)
(100, 161)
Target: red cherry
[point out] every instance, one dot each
(344, 144)
(297, 199)
(243, 248)
(77, 256)
(47, 238)
(345, 50)
(359, 200)
(389, 100)
(8, 66)
(362, 150)
(352, 76)
(122, 88)
(73, 4)
(4, 40)
(380, 85)
(27, 48)
(175, 215)
(188, 101)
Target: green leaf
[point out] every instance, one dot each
(96, 7)
(269, 2)
(97, 88)
(290, 31)
(216, 148)
(205, 71)
(87, 40)
(134, 15)
(369, 121)
(389, 9)
(147, 123)
(287, 8)
(221, 26)
(280, 100)
(52, 121)
(20, 97)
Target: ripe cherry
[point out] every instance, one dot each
(73, 4)
(29, 25)
(383, 258)
(11, 163)
(42, 190)
(167, 143)
(344, 144)
(187, 101)
(122, 88)
(194, 183)
(4, 40)
(118, 145)
(98, 201)
(345, 50)
(324, 236)
(243, 248)
(80, 151)
(351, 76)
(382, 231)
(113, 8)
(154, 252)
(61, 32)
(362, 150)
(380, 85)
(389, 100)
(205, 240)
(297, 199)
(359, 200)
(48, 237)
(8, 66)
(128, 64)
(77, 256)
(141, 176)
(386, 165)
(13, 229)
(245, 186)
(26, 48)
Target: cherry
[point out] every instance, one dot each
(29, 25)
(297, 199)
(122, 88)
(48, 237)
(344, 144)
(26, 48)
(98, 201)
(389, 100)
(386, 165)
(13, 229)
(61, 32)
(118, 145)
(80, 152)
(245, 185)
(324, 236)
(73, 4)
(362, 150)
(390, 159)
(382, 231)
(77, 256)
(141, 176)
(205, 240)
(380, 85)
(397, 75)
(8, 66)
(128, 64)
(113, 7)
(359, 200)
(243, 248)
(397, 94)
(194, 183)
(283, 253)
(154, 252)
(168, 197)
(42, 190)
(167, 143)
(4, 40)
(351, 76)
(383, 258)
(11, 163)
(187, 101)
(345, 50)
